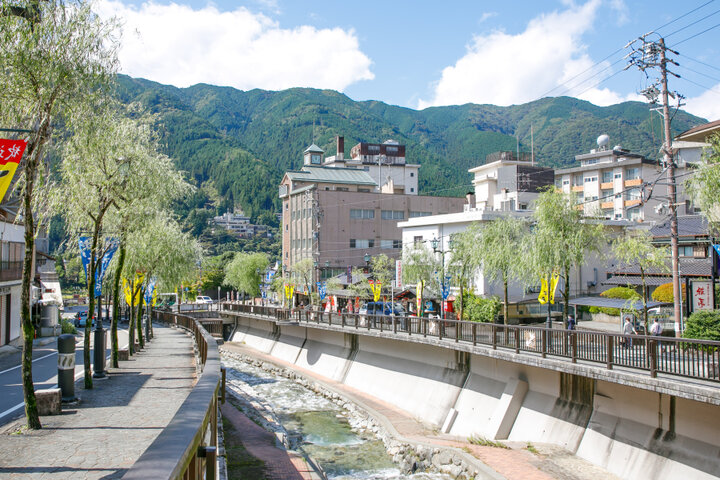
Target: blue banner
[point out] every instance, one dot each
(150, 290)
(322, 290)
(85, 244)
(717, 250)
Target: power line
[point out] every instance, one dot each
(693, 23)
(684, 15)
(696, 35)
(700, 62)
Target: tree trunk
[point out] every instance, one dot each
(461, 302)
(131, 326)
(116, 306)
(141, 341)
(31, 410)
(506, 309)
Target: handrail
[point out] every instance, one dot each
(689, 358)
(186, 448)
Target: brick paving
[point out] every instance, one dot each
(280, 464)
(113, 424)
(512, 464)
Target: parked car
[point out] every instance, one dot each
(382, 311)
(203, 299)
(81, 319)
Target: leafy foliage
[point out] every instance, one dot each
(703, 325)
(480, 309)
(615, 292)
(704, 185)
(664, 293)
(245, 272)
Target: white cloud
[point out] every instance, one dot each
(178, 45)
(486, 16)
(504, 69)
(706, 105)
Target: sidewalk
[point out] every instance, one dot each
(512, 464)
(113, 424)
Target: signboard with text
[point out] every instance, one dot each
(702, 295)
(11, 151)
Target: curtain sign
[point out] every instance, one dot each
(11, 151)
(702, 295)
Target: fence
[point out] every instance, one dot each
(689, 358)
(187, 447)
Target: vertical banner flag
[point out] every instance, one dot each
(322, 289)
(376, 288)
(398, 274)
(113, 244)
(553, 286)
(150, 295)
(547, 292)
(348, 274)
(84, 244)
(11, 151)
(419, 298)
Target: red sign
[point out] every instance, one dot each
(11, 151)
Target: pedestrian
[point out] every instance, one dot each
(655, 328)
(570, 323)
(628, 329)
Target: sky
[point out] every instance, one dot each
(423, 53)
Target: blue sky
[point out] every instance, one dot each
(423, 53)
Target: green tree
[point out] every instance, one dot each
(561, 239)
(703, 325)
(636, 249)
(500, 252)
(704, 185)
(245, 272)
(51, 64)
(481, 309)
(420, 265)
(302, 274)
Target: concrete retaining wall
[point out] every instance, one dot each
(631, 432)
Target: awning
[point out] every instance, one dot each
(618, 303)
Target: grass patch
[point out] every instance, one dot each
(484, 442)
(240, 464)
(531, 448)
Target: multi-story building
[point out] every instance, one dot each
(509, 182)
(238, 224)
(336, 215)
(384, 162)
(618, 185)
(12, 252)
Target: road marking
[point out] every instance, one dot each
(36, 360)
(78, 376)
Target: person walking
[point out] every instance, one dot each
(656, 328)
(571, 322)
(628, 329)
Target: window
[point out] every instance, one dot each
(374, 149)
(342, 189)
(391, 149)
(558, 183)
(315, 159)
(577, 180)
(607, 176)
(361, 243)
(634, 214)
(566, 182)
(590, 179)
(633, 194)
(364, 190)
(618, 216)
(522, 206)
(618, 175)
(686, 251)
(387, 244)
(392, 215)
(591, 161)
(420, 214)
(417, 240)
(412, 174)
(632, 173)
(358, 213)
(412, 189)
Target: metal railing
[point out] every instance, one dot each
(699, 359)
(187, 447)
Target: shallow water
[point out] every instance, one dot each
(320, 428)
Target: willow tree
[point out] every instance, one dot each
(419, 267)
(561, 238)
(464, 261)
(635, 249)
(704, 185)
(53, 60)
(245, 272)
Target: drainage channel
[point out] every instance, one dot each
(328, 435)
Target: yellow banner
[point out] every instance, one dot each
(553, 286)
(543, 296)
(289, 290)
(418, 298)
(376, 288)
(547, 293)
(127, 289)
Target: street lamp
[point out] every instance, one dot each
(444, 280)
(367, 261)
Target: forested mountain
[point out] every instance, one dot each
(238, 144)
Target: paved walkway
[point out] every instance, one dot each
(512, 464)
(280, 464)
(113, 424)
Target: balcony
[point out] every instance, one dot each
(636, 182)
(10, 271)
(606, 186)
(576, 188)
(605, 205)
(632, 203)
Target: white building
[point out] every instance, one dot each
(12, 252)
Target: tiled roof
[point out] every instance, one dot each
(314, 148)
(612, 303)
(636, 280)
(707, 128)
(692, 267)
(332, 175)
(688, 226)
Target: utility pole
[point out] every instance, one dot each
(652, 55)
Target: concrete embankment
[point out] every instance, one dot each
(632, 432)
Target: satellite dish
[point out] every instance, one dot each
(603, 140)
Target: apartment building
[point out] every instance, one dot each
(238, 224)
(617, 184)
(336, 215)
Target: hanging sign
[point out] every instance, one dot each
(11, 151)
(702, 295)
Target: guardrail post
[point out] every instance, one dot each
(544, 341)
(652, 351)
(394, 324)
(457, 331)
(222, 388)
(609, 351)
(573, 347)
(474, 333)
(517, 340)
(493, 330)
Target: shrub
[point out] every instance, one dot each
(703, 325)
(664, 293)
(615, 292)
(68, 327)
(480, 309)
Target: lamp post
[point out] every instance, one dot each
(444, 280)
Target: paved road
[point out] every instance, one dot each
(44, 373)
